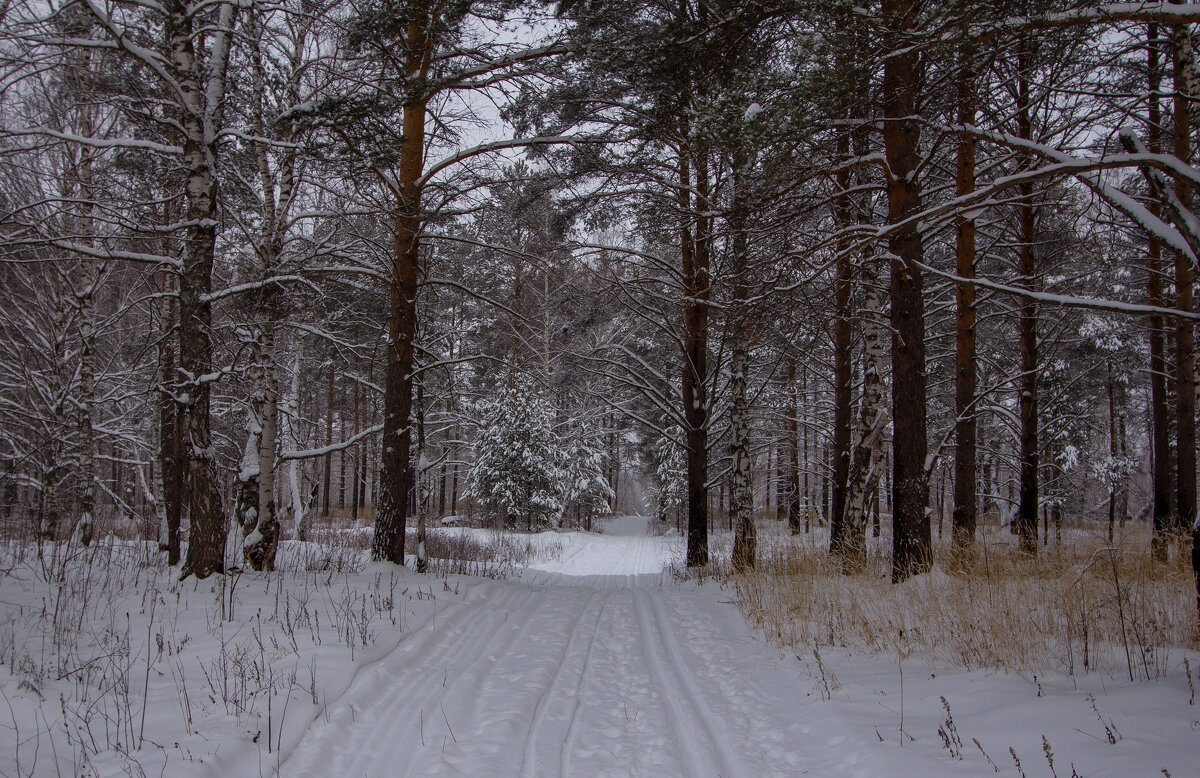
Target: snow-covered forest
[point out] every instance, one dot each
(645, 387)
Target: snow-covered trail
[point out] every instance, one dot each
(589, 674)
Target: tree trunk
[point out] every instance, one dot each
(694, 249)
(1027, 508)
(168, 478)
(85, 307)
(342, 460)
(876, 529)
(1123, 486)
(1185, 477)
(328, 441)
(300, 506)
(394, 485)
(245, 504)
(1113, 454)
(741, 498)
(87, 369)
(793, 424)
(873, 417)
(1185, 394)
(356, 469)
(422, 488)
(1160, 415)
(261, 542)
(912, 545)
(391, 515)
(842, 340)
(808, 491)
(263, 538)
(364, 451)
(962, 542)
(454, 474)
(206, 539)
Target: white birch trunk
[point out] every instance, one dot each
(89, 277)
(299, 507)
(741, 498)
(864, 465)
(422, 508)
(263, 533)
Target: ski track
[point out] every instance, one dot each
(688, 713)
(580, 687)
(559, 674)
(539, 712)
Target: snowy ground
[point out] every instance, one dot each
(597, 663)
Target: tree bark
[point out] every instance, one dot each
(263, 538)
(206, 539)
(245, 505)
(965, 515)
(1185, 422)
(84, 300)
(842, 340)
(170, 473)
(392, 513)
(328, 441)
(793, 424)
(276, 190)
(873, 417)
(808, 490)
(421, 482)
(364, 451)
(1160, 415)
(1185, 394)
(741, 498)
(299, 505)
(694, 249)
(912, 544)
(1027, 508)
(1113, 453)
(356, 469)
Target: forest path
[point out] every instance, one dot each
(569, 671)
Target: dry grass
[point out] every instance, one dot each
(1080, 607)
(343, 546)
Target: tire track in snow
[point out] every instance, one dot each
(686, 710)
(529, 757)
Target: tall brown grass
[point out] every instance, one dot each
(1081, 606)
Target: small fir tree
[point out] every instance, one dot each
(518, 472)
(668, 489)
(587, 491)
